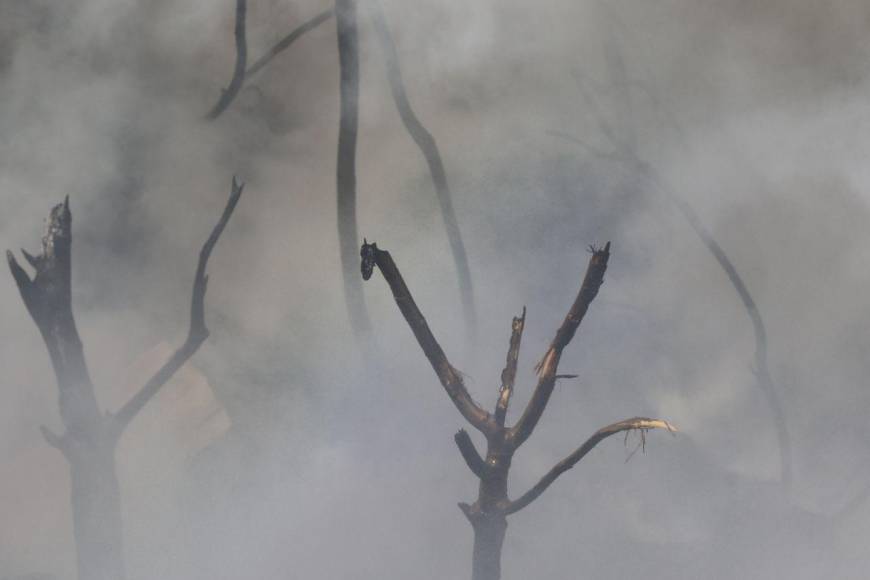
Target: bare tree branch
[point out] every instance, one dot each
(509, 374)
(261, 62)
(228, 94)
(429, 148)
(197, 333)
(450, 378)
(470, 454)
(548, 366)
(285, 42)
(639, 423)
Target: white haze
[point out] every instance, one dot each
(755, 112)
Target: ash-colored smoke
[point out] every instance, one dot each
(756, 113)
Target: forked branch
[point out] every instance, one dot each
(641, 424)
(549, 365)
(509, 374)
(228, 94)
(450, 378)
(197, 333)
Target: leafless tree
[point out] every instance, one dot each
(488, 515)
(91, 436)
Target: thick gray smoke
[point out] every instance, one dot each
(281, 453)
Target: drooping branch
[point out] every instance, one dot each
(345, 173)
(197, 332)
(641, 424)
(762, 371)
(623, 139)
(450, 378)
(509, 374)
(277, 49)
(470, 454)
(549, 365)
(48, 299)
(228, 94)
(429, 148)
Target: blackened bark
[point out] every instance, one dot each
(488, 515)
(91, 437)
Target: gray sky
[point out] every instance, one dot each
(756, 113)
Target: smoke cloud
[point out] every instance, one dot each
(313, 462)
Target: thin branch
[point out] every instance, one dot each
(638, 423)
(429, 148)
(470, 454)
(762, 371)
(509, 374)
(228, 94)
(548, 366)
(285, 42)
(450, 378)
(197, 333)
(345, 172)
(261, 62)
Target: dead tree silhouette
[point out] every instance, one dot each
(488, 515)
(91, 436)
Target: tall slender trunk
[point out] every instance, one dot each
(489, 534)
(96, 508)
(345, 173)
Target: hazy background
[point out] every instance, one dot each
(302, 461)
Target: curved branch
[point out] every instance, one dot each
(470, 454)
(548, 366)
(627, 154)
(228, 94)
(197, 333)
(509, 374)
(450, 378)
(429, 148)
(642, 424)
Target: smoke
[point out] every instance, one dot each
(331, 466)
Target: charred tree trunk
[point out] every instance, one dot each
(348, 236)
(90, 437)
(488, 515)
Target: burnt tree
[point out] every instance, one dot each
(488, 514)
(91, 436)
